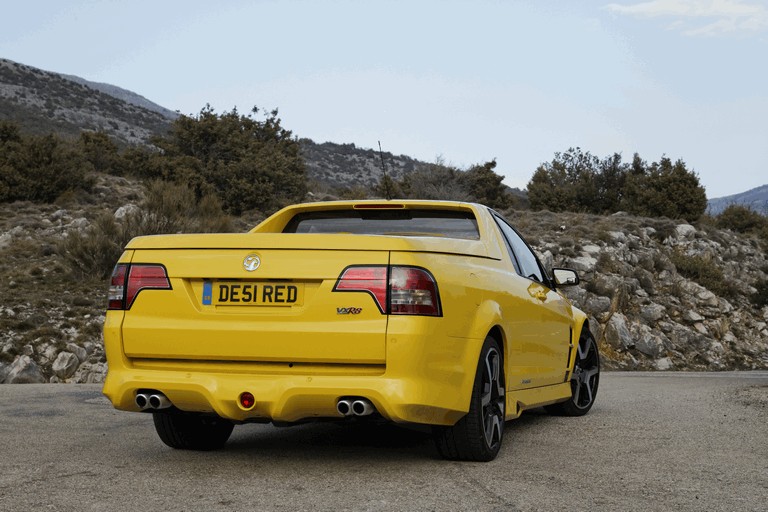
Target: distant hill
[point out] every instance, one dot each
(756, 199)
(42, 102)
(125, 95)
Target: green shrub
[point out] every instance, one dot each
(741, 219)
(704, 271)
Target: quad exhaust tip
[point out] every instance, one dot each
(155, 400)
(355, 407)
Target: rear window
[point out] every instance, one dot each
(406, 222)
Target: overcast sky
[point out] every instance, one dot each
(466, 81)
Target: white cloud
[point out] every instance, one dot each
(702, 17)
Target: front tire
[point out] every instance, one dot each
(584, 380)
(187, 431)
(478, 435)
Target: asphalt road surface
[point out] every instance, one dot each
(664, 441)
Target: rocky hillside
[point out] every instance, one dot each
(346, 165)
(659, 294)
(42, 102)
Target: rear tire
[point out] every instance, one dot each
(188, 431)
(478, 435)
(584, 380)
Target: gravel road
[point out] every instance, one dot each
(653, 441)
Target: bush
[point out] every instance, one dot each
(168, 208)
(39, 169)
(741, 219)
(703, 271)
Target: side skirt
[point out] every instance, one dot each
(520, 400)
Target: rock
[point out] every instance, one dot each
(128, 209)
(663, 364)
(607, 285)
(617, 236)
(617, 334)
(699, 326)
(59, 214)
(4, 370)
(707, 298)
(692, 317)
(28, 350)
(24, 371)
(685, 231)
(596, 305)
(80, 352)
(653, 312)
(582, 263)
(65, 365)
(591, 249)
(80, 224)
(91, 373)
(5, 240)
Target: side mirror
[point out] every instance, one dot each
(565, 277)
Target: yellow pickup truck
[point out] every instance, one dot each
(429, 312)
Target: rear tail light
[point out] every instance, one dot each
(372, 280)
(413, 291)
(128, 280)
(397, 290)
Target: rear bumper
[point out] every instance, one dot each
(427, 380)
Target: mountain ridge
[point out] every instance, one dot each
(755, 198)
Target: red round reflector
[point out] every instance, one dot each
(247, 400)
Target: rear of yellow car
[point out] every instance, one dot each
(322, 311)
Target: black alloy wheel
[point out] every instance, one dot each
(585, 380)
(478, 435)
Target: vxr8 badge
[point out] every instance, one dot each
(348, 311)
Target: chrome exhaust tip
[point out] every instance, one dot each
(142, 401)
(344, 407)
(362, 407)
(159, 401)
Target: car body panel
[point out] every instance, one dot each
(298, 360)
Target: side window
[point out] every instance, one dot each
(527, 264)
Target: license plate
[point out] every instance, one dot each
(218, 293)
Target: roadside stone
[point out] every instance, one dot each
(596, 305)
(4, 370)
(24, 371)
(646, 341)
(80, 352)
(663, 364)
(617, 334)
(653, 312)
(65, 365)
(91, 373)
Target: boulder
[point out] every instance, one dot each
(65, 365)
(80, 352)
(652, 313)
(4, 369)
(24, 371)
(663, 364)
(617, 334)
(685, 231)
